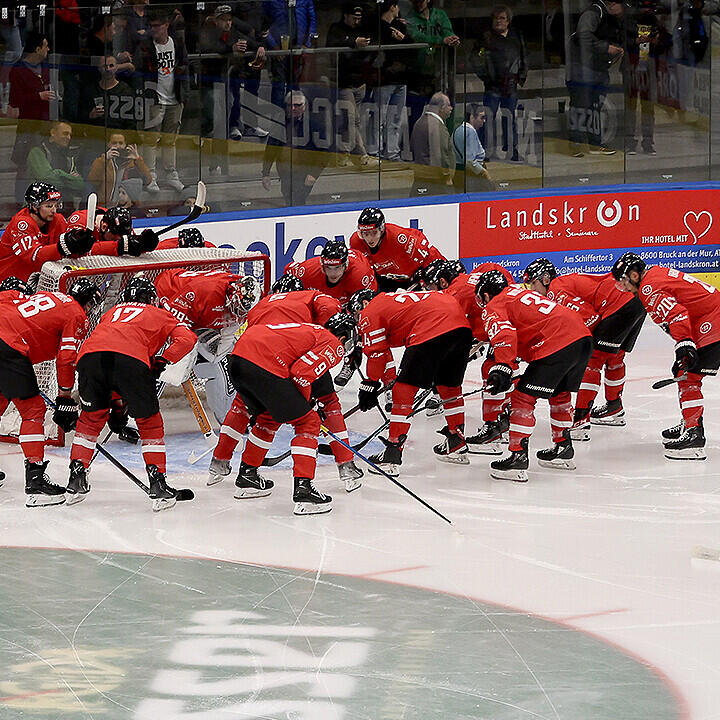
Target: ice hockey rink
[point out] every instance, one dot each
(576, 596)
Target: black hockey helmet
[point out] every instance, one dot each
(190, 238)
(40, 192)
(372, 219)
(625, 263)
(438, 270)
(242, 295)
(335, 252)
(14, 283)
(357, 300)
(492, 282)
(140, 290)
(287, 283)
(86, 292)
(118, 221)
(342, 325)
(537, 269)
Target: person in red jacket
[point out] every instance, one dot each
(37, 234)
(449, 277)
(689, 311)
(187, 238)
(273, 368)
(121, 356)
(396, 254)
(45, 326)
(555, 343)
(436, 334)
(615, 319)
(299, 306)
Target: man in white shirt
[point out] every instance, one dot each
(162, 61)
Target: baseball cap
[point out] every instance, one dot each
(223, 10)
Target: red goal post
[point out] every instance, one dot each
(112, 274)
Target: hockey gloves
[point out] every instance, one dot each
(66, 413)
(499, 379)
(130, 245)
(149, 240)
(118, 420)
(686, 357)
(368, 394)
(75, 242)
(157, 367)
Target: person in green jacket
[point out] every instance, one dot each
(53, 161)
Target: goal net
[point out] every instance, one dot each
(112, 274)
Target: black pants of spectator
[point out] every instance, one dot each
(584, 119)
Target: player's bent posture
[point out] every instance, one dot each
(121, 356)
(615, 319)
(437, 337)
(299, 306)
(689, 311)
(397, 254)
(273, 368)
(44, 326)
(212, 303)
(555, 343)
(188, 237)
(37, 235)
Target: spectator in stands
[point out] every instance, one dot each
(30, 96)
(53, 161)
(12, 41)
(471, 175)
(100, 41)
(138, 28)
(299, 157)
(67, 26)
(162, 62)
(120, 162)
(432, 148)
(351, 85)
(128, 196)
(121, 43)
(502, 66)
(109, 102)
(392, 93)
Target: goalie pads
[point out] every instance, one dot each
(177, 373)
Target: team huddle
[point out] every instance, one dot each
(267, 360)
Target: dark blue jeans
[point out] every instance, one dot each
(492, 102)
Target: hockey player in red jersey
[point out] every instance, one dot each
(37, 234)
(274, 368)
(555, 343)
(187, 238)
(121, 355)
(45, 326)
(396, 254)
(689, 311)
(615, 319)
(436, 334)
(300, 306)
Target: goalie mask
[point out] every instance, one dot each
(242, 296)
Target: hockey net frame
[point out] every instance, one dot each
(112, 274)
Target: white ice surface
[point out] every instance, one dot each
(607, 548)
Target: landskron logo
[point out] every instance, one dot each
(609, 215)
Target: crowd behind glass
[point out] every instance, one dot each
(277, 103)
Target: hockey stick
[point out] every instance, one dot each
(384, 474)
(668, 381)
(194, 213)
(91, 208)
(202, 419)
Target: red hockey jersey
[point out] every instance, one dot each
(684, 306)
(24, 247)
(400, 253)
(357, 276)
(45, 326)
(404, 319)
(302, 352)
(140, 331)
(521, 323)
(301, 306)
(195, 297)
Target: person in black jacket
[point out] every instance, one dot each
(161, 66)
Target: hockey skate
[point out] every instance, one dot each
(433, 405)
(489, 437)
(689, 446)
(343, 377)
(514, 466)
(39, 490)
(390, 459)
(453, 449)
(580, 429)
(611, 413)
(250, 484)
(308, 499)
(674, 432)
(559, 456)
(78, 486)
(162, 495)
(350, 475)
(218, 471)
